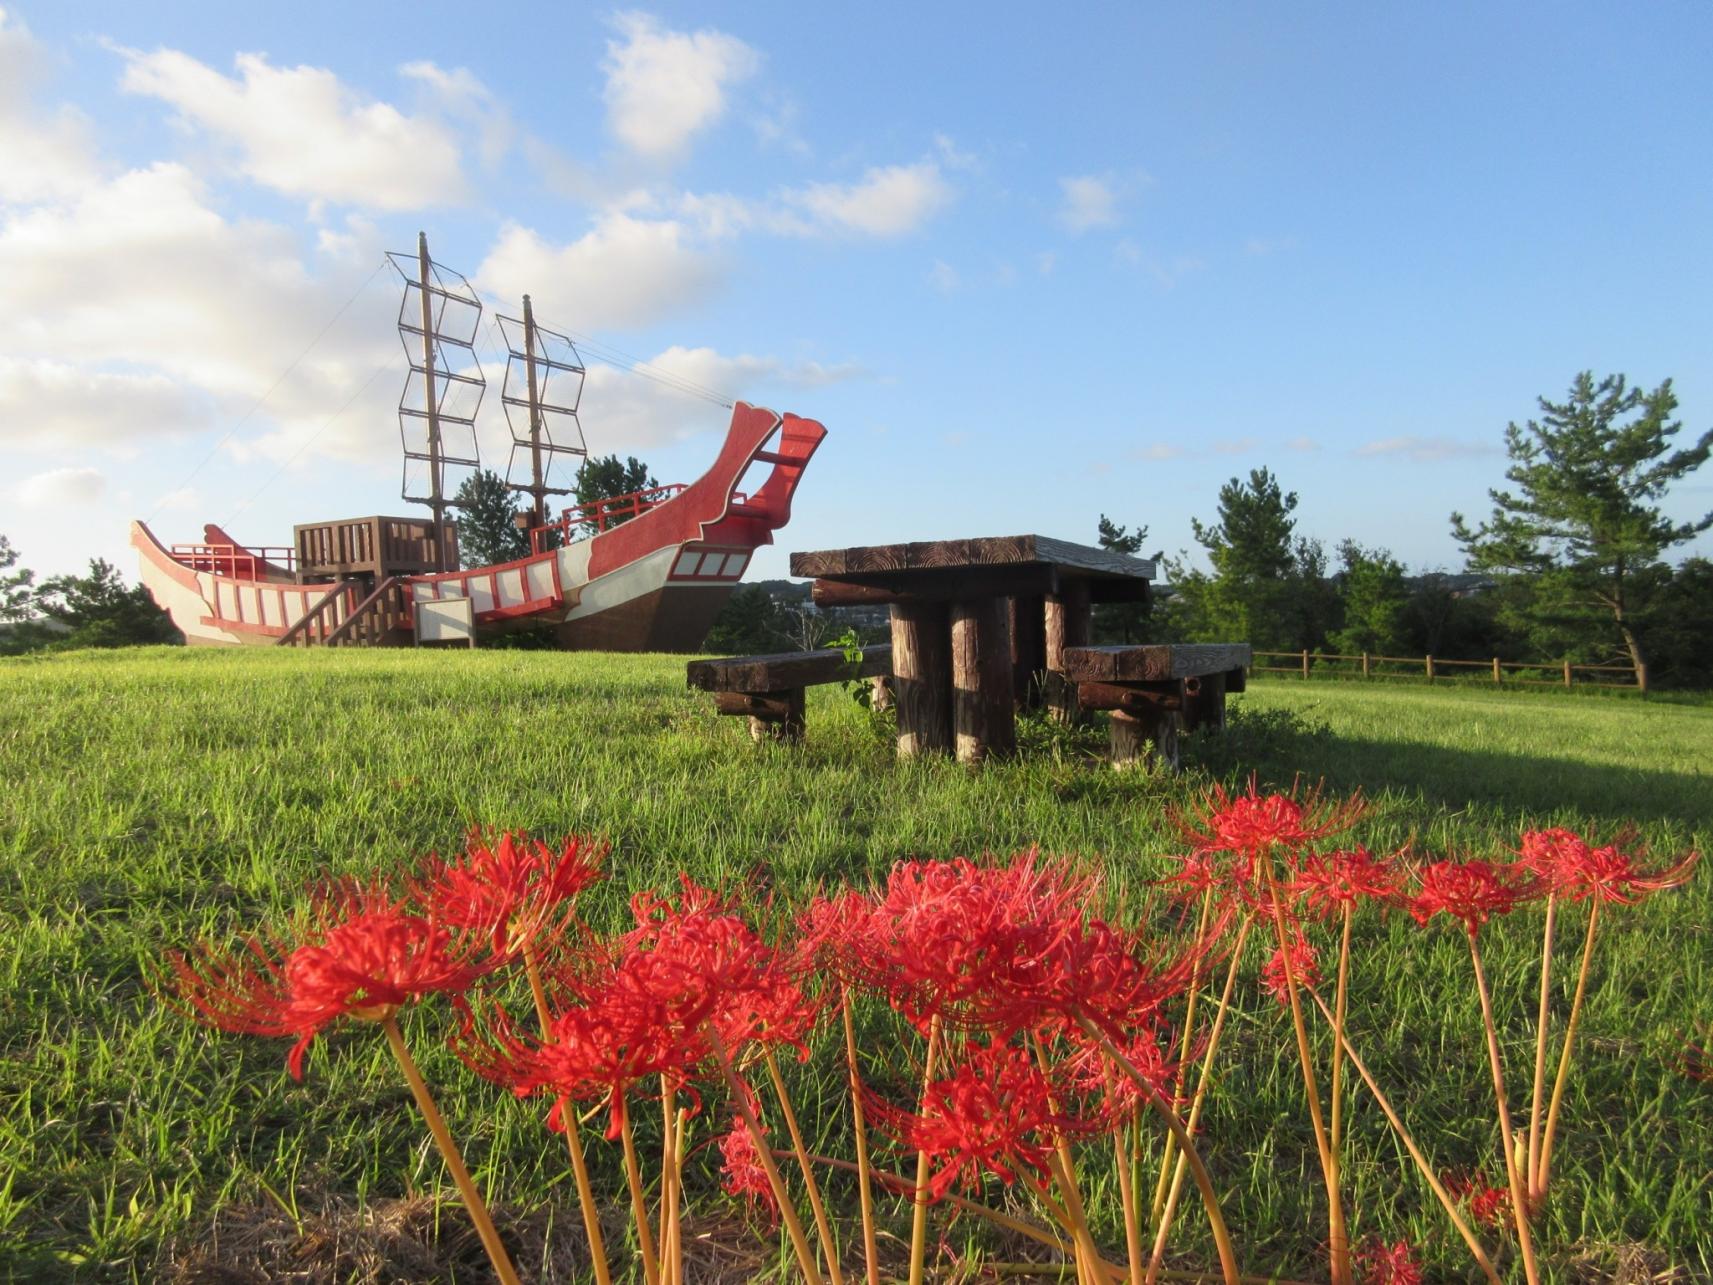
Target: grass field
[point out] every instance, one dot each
(153, 797)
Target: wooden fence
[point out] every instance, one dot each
(1519, 673)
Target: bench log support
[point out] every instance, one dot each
(773, 716)
(770, 690)
(1157, 693)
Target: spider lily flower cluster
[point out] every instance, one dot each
(1038, 1035)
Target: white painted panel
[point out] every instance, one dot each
(540, 579)
(687, 562)
(735, 564)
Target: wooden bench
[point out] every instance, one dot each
(1155, 691)
(770, 689)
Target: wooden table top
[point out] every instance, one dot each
(1027, 559)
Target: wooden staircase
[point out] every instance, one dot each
(382, 619)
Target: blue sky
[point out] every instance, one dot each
(1028, 265)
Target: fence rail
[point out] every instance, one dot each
(1516, 672)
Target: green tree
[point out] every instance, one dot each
(604, 477)
(1374, 599)
(487, 521)
(101, 610)
(1248, 596)
(1122, 622)
(750, 623)
(1583, 531)
(17, 588)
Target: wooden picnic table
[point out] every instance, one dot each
(979, 626)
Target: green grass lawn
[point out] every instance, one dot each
(153, 797)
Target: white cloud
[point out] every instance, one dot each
(1423, 450)
(623, 272)
(463, 97)
(943, 276)
(624, 411)
(47, 405)
(887, 201)
(301, 131)
(1159, 451)
(1302, 445)
(1087, 202)
(1236, 446)
(954, 158)
(61, 486)
(665, 86)
(141, 299)
(43, 156)
(1045, 262)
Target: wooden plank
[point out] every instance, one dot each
(984, 720)
(940, 584)
(1153, 663)
(785, 670)
(922, 678)
(1006, 550)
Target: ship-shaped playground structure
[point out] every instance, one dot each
(646, 571)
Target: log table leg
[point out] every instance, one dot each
(1209, 703)
(1068, 619)
(983, 710)
(922, 677)
(1028, 649)
(1149, 737)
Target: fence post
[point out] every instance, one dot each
(1495, 669)
(1430, 669)
(1364, 664)
(1305, 663)
(1567, 671)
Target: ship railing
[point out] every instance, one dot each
(596, 516)
(238, 561)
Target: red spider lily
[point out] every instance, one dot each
(360, 955)
(1487, 1204)
(1608, 874)
(1305, 969)
(1552, 854)
(698, 948)
(744, 1175)
(1089, 1070)
(1253, 824)
(1383, 1264)
(511, 887)
(993, 1114)
(993, 948)
(622, 1034)
(1472, 891)
(1331, 883)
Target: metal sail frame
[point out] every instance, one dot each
(531, 362)
(430, 325)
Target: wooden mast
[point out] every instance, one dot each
(436, 501)
(537, 490)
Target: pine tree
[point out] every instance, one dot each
(487, 521)
(1249, 595)
(101, 610)
(17, 588)
(604, 478)
(1375, 601)
(1583, 533)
